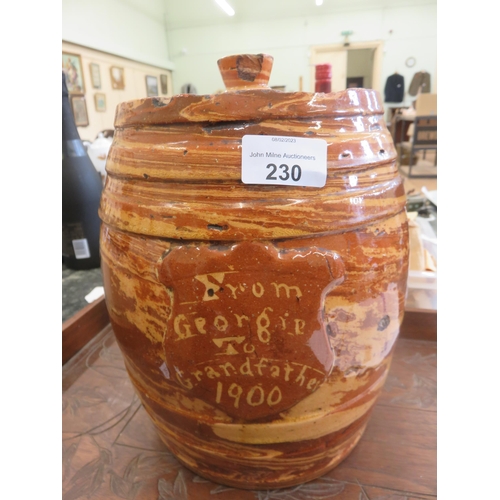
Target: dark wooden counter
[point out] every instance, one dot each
(111, 449)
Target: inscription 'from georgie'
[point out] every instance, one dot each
(246, 330)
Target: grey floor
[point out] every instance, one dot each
(75, 286)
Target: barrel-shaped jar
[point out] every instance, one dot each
(257, 320)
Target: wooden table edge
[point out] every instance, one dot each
(81, 328)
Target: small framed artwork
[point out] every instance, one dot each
(152, 85)
(100, 102)
(117, 77)
(72, 67)
(164, 84)
(79, 107)
(95, 75)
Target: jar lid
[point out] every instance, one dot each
(248, 97)
(175, 166)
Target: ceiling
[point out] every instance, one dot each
(179, 14)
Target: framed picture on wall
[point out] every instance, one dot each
(72, 67)
(164, 84)
(151, 86)
(79, 107)
(95, 75)
(117, 77)
(100, 102)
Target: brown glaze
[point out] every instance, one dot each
(245, 71)
(257, 323)
(221, 341)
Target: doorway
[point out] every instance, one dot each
(360, 68)
(351, 65)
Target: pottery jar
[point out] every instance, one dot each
(257, 321)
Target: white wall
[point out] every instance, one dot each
(121, 28)
(195, 51)
(117, 27)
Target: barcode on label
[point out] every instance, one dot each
(81, 248)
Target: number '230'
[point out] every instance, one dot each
(295, 172)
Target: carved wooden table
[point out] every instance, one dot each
(111, 449)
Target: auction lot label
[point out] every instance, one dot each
(281, 160)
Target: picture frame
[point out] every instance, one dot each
(73, 70)
(95, 75)
(79, 108)
(151, 86)
(117, 77)
(164, 84)
(100, 102)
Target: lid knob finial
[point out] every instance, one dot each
(246, 71)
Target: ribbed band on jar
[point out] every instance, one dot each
(171, 176)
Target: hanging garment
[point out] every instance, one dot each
(421, 83)
(394, 88)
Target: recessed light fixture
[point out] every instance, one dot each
(226, 7)
(319, 2)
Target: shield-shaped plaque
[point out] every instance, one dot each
(246, 330)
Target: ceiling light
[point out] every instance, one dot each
(226, 7)
(319, 2)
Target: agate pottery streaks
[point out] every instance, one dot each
(257, 322)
